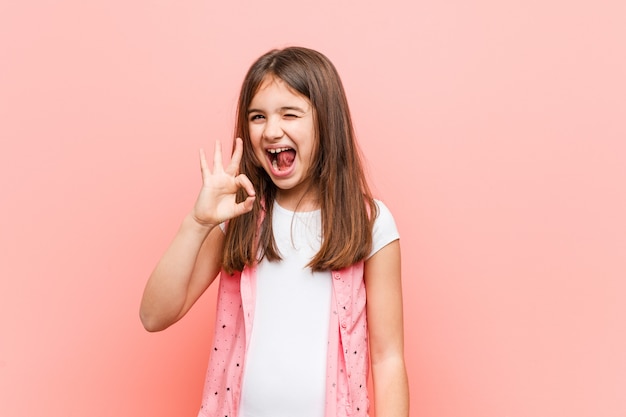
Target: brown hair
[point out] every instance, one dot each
(347, 207)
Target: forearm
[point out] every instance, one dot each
(166, 292)
(391, 388)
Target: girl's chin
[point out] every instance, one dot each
(286, 184)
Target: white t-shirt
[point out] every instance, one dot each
(285, 371)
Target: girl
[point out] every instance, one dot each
(301, 244)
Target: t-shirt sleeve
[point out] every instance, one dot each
(385, 230)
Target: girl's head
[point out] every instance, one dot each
(332, 176)
(309, 74)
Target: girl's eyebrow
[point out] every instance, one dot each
(284, 108)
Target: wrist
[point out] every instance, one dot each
(192, 222)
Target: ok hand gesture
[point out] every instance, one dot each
(216, 202)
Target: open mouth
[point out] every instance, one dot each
(281, 158)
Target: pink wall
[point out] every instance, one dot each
(494, 130)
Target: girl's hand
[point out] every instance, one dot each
(216, 202)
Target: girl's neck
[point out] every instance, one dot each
(291, 201)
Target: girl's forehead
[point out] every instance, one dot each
(268, 80)
(273, 81)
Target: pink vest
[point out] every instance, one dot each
(348, 361)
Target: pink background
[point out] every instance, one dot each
(494, 130)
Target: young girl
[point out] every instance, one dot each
(301, 244)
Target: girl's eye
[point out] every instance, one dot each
(290, 116)
(256, 117)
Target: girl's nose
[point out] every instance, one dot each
(272, 130)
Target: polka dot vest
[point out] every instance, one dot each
(347, 364)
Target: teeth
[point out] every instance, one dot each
(277, 150)
(275, 165)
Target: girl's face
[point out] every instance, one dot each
(282, 131)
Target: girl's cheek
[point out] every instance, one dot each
(255, 131)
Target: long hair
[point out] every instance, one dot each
(347, 207)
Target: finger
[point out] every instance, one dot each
(217, 157)
(204, 167)
(245, 206)
(235, 160)
(244, 182)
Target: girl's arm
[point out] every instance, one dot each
(193, 259)
(384, 316)
(188, 267)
